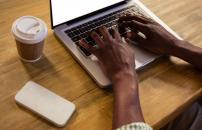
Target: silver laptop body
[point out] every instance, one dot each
(91, 66)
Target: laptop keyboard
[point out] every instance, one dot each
(109, 21)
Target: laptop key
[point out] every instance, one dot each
(76, 38)
(82, 30)
(84, 51)
(71, 34)
(77, 32)
(97, 24)
(93, 25)
(73, 29)
(83, 35)
(92, 43)
(89, 39)
(87, 28)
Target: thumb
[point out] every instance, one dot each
(135, 37)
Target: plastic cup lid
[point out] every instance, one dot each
(29, 29)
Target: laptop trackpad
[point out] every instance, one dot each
(143, 57)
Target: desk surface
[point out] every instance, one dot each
(166, 87)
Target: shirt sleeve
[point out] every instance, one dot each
(136, 126)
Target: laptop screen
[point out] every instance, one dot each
(66, 10)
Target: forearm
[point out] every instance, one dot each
(127, 107)
(189, 53)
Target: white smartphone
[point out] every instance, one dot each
(45, 103)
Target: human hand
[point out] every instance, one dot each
(115, 56)
(158, 40)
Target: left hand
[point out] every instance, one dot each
(115, 56)
(118, 62)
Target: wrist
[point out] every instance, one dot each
(180, 49)
(127, 107)
(123, 75)
(125, 81)
(126, 76)
(174, 48)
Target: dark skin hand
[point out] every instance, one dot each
(117, 61)
(160, 41)
(116, 51)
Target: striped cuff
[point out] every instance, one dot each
(136, 126)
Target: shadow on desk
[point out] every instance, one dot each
(39, 67)
(171, 68)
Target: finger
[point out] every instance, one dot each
(131, 35)
(88, 47)
(123, 28)
(105, 34)
(135, 37)
(97, 39)
(134, 17)
(124, 40)
(135, 25)
(116, 35)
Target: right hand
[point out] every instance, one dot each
(158, 40)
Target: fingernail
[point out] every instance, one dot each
(129, 35)
(81, 41)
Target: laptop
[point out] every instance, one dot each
(72, 20)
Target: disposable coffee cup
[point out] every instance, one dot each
(29, 33)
